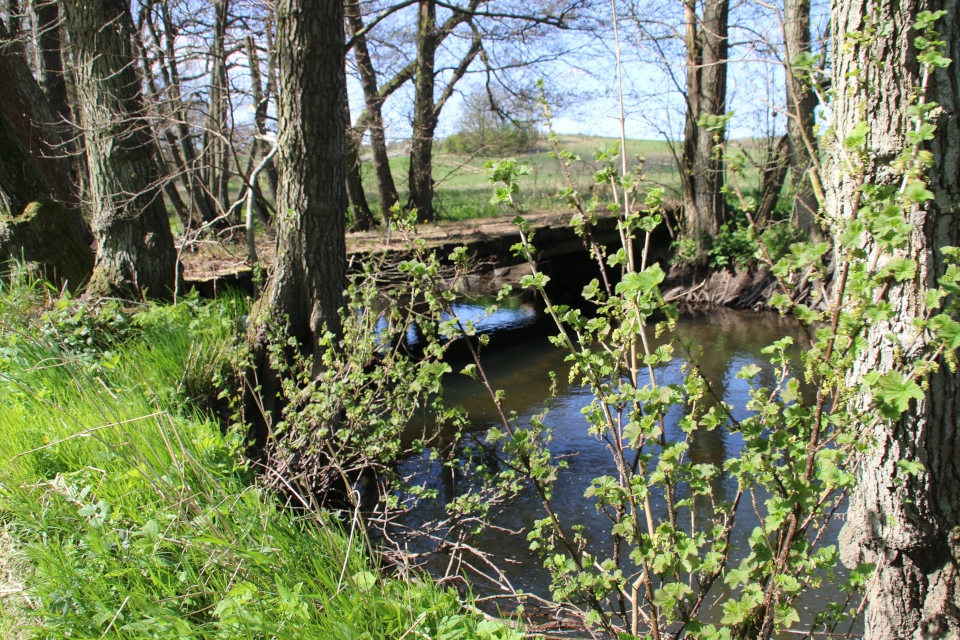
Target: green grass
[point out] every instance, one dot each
(134, 516)
(463, 191)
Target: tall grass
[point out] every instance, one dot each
(138, 517)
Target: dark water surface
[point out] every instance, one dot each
(730, 340)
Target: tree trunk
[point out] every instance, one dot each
(374, 103)
(136, 254)
(52, 79)
(15, 26)
(772, 178)
(156, 113)
(708, 166)
(906, 524)
(32, 225)
(260, 100)
(32, 118)
(309, 277)
(691, 131)
(216, 150)
(702, 176)
(273, 175)
(202, 202)
(363, 219)
(801, 104)
(424, 115)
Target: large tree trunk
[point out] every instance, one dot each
(14, 25)
(374, 103)
(136, 254)
(424, 116)
(34, 121)
(32, 225)
(52, 78)
(801, 104)
(906, 524)
(309, 277)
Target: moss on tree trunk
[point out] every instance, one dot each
(136, 254)
(34, 227)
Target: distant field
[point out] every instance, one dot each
(463, 190)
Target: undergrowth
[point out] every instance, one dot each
(137, 517)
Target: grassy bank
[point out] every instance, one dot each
(127, 513)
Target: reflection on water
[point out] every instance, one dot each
(730, 340)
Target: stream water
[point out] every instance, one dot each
(519, 365)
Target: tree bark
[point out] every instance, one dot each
(702, 172)
(691, 131)
(14, 25)
(136, 254)
(708, 176)
(420, 195)
(32, 118)
(772, 178)
(260, 100)
(363, 219)
(273, 174)
(52, 80)
(32, 225)
(156, 112)
(906, 524)
(801, 105)
(309, 277)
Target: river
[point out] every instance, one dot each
(519, 363)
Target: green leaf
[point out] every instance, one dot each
(857, 136)
(909, 467)
(893, 393)
(364, 580)
(947, 329)
(916, 191)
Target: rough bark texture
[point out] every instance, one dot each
(14, 21)
(707, 47)
(801, 104)
(691, 131)
(33, 119)
(52, 79)
(907, 525)
(424, 115)
(32, 225)
(309, 276)
(136, 254)
(708, 168)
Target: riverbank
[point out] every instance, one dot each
(128, 512)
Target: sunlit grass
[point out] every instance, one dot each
(135, 516)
